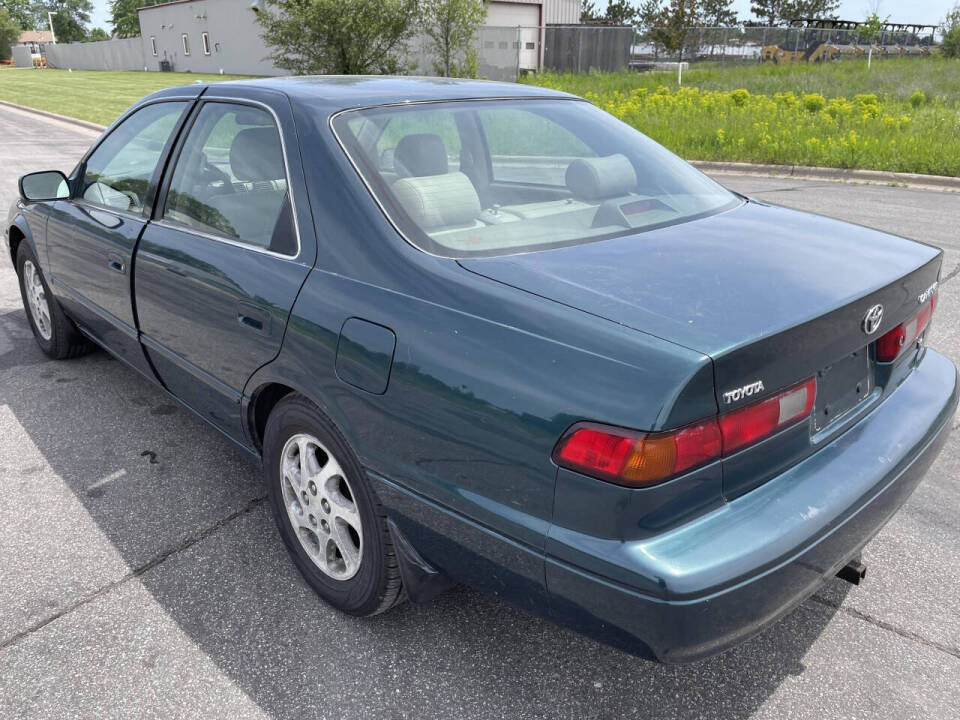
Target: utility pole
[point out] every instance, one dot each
(53, 35)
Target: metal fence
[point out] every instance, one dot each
(117, 54)
(772, 44)
(505, 53)
(501, 53)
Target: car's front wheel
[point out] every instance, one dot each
(55, 333)
(329, 518)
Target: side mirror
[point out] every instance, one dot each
(47, 185)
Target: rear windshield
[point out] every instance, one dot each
(482, 178)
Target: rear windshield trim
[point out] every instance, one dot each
(431, 247)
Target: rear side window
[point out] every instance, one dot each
(118, 172)
(230, 179)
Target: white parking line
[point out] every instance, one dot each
(107, 479)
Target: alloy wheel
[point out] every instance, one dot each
(37, 300)
(321, 506)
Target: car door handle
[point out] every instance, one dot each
(115, 263)
(254, 318)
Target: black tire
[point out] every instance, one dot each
(376, 586)
(65, 340)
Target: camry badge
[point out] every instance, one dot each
(927, 294)
(871, 321)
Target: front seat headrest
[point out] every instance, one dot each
(601, 177)
(256, 155)
(420, 155)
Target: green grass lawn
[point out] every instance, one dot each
(902, 115)
(89, 95)
(893, 78)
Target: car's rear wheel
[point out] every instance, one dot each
(54, 332)
(329, 518)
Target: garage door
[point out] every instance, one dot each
(527, 17)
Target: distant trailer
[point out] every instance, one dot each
(849, 50)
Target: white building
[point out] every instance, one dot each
(223, 36)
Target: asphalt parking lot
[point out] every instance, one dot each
(141, 573)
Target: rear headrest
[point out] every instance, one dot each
(419, 155)
(438, 201)
(256, 154)
(601, 177)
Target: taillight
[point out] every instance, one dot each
(754, 422)
(890, 345)
(635, 458)
(638, 459)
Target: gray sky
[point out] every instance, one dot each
(927, 12)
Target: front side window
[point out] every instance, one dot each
(205, 41)
(481, 178)
(153, 45)
(118, 173)
(186, 44)
(230, 179)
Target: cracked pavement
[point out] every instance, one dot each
(141, 573)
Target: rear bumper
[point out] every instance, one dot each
(730, 573)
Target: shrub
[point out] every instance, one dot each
(814, 102)
(838, 107)
(950, 27)
(918, 98)
(740, 97)
(347, 37)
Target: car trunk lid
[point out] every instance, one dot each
(772, 295)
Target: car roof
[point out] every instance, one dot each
(340, 92)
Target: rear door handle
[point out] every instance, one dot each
(115, 263)
(252, 317)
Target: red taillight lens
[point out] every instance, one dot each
(637, 459)
(890, 345)
(641, 459)
(750, 424)
(597, 452)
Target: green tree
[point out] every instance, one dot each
(769, 12)
(70, 18)
(717, 13)
(97, 34)
(649, 14)
(338, 36)
(950, 27)
(796, 9)
(869, 30)
(451, 26)
(124, 18)
(20, 11)
(673, 29)
(9, 32)
(589, 12)
(620, 12)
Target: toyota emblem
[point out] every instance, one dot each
(871, 321)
